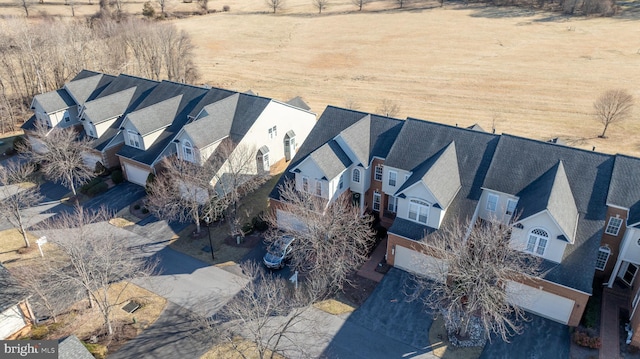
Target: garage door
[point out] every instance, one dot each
(91, 159)
(539, 302)
(136, 175)
(420, 264)
(287, 221)
(11, 320)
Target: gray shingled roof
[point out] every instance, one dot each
(108, 107)
(155, 117)
(355, 136)
(87, 88)
(440, 174)
(54, 101)
(332, 121)
(519, 160)
(623, 189)
(551, 192)
(299, 103)
(476, 127)
(215, 123)
(213, 95)
(11, 293)
(331, 159)
(72, 348)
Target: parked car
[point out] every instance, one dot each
(278, 252)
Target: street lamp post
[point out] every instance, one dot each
(207, 220)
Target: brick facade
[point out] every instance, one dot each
(613, 242)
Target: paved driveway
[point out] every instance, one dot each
(117, 197)
(385, 326)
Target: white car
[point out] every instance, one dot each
(278, 252)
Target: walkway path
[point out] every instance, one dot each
(368, 269)
(612, 301)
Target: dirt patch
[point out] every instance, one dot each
(357, 290)
(441, 347)
(334, 307)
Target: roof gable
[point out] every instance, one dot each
(110, 106)
(299, 103)
(156, 116)
(331, 159)
(440, 175)
(357, 138)
(218, 116)
(54, 101)
(87, 88)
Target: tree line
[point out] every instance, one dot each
(32, 61)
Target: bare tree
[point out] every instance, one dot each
(275, 4)
(204, 6)
(163, 7)
(94, 258)
(15, 197)
(60, 152)
(401, 3)
(360, 3)
(270, 313)
(181, 191)
(388, 108)
(25, 4)
(331, 239)
(468, 281)
(320, 5)
(613, 106)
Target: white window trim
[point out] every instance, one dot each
(536, 246)
(603, 250)
(376, 174)
(133, 138)
(395, 178)
(421, 204)
(187, 146)
(353, 176)
(318, 190)
(490, 196)
(377, 199)
(616, 228)
(510, 212)
(305, 180)
(392, 205)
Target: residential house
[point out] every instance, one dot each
(418, 176)
(16, 315)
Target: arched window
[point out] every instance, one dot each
(356, 175)
(537, 242)
(418, 211)
(603, 256)
(187, 150)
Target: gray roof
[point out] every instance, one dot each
(87, 88)
(190, 97)
(213, 95)
(54, 101)
(623, 189)
(11, 293)
(355, 137)
(517, 161)
(334, 120)
(410, 229)
(72, 348)
(331, 159)
(551, 192)
(155, 117)
(299, 103)
(476, 127)
(440, 174)
(109, 107)
(215, 122)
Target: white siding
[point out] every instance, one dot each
(421, 193)
(402, 175)
(101, 127)
(149, 139)
(11, 320)
(90, 159)
(555, 247)
(501, 208)
(630, 247)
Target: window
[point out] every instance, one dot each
(376, 201)
(537, 242)
(134, 139)
(273, 132)
(265, 161)
(603, 257)
(318, 188)
(187, 151)
(356, 175)
(91, 133)
(66, 117)
(511, 206)
(305, 184)
(614, 226)
(418, 211)
(492, 202)
(341, 182)
(393, 176)
(292, 144)
(392, 204)
(378, 173)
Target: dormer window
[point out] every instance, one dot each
(187, 151)
(356, 175)
(537, 242)
(134, 139)
(418, 211)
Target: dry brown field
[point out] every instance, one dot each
(529, 73)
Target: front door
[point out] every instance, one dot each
(630, 273)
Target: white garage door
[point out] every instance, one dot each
(420, 264)
(287, 221)
(90, 160)
(539, 302)
(136, 175)
(11, 320)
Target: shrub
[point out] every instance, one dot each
(100, 168)
(145, 210)
(19, 143)
(39, 332)
(585, 340)
(99, 351)
(259, 224)
(148, 10)
(97, 189)
(247, 228)
(87, 186)
(117, 177)
(136, 207)
(226, 8)
(151, 178)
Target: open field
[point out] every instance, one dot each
(531, 73)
